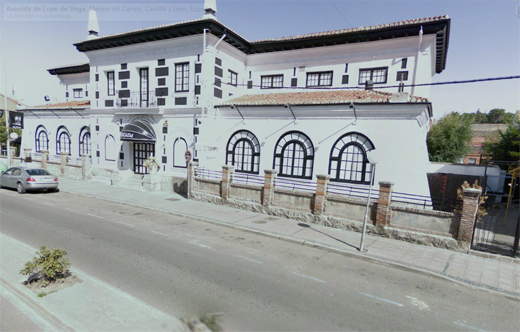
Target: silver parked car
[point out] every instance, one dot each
(23, 179)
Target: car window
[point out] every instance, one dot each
(17, 171)
(37, 172)
(9, 171)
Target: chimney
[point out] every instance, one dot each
(210, 8)
(369, 85)
(93, 26)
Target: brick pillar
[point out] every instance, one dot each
(469, 212)
(192, 166)
(383, 203)
(227, 172)
(268, 190)
(63, 162)
(320, 199)
(28, 155)
(45, 157)
(86, 167)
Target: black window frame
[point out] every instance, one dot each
(38, 144)
(63, 141)
(356, 145)
(293, 140)
(232, 77)
(111, 83)
(402, 76)
(182, 83)
(271, 83)
(243, 152)
(84, 141)
(77, 93)
(371, 71)
(319, 73)
(144, 87)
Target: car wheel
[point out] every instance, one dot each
(56, 190)
(20, 188)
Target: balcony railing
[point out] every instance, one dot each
(138, 99)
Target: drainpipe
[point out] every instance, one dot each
(416, 61)
(221, 38)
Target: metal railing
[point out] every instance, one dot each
(246, 178)
(294, 184)
(356, 191)
(204, 173)
(135, 100)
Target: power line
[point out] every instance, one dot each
(392, 86)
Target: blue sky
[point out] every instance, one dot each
(484, 38)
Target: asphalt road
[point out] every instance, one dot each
(191, 268)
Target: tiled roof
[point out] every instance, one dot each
(359, 29)
(70, 104)
(322, 97)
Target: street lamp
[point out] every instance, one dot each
(373, 163)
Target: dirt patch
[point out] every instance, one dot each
(53, 287)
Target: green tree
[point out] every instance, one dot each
(448, 139)
(506, 145)
(496, 115)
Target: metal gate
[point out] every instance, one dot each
(141, 152)
(494, 233)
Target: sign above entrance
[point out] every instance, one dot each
(138, 131)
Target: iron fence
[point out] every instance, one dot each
(356, 191)
(204, 173)
(246, 178)
(293, 184)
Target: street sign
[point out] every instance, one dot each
(188, 156)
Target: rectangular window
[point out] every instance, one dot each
(182, 77)
(272, 81)
(143, 87)
(402, 76)
(319, 79)
(111, 83)
(78, 93)
(404, 61)
(232, 78)
(377, 75)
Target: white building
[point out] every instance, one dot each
(296, 104)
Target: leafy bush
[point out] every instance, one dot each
(49, 265)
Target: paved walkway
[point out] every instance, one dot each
(105, 308)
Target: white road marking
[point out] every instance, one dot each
(308, 277)
(418, 303)
(49, 204)
(160, 233)
(469, 327)
(381, 299)
(200, 245)
(95, 216)
(71, 210)
(124, 223)
(249, 259)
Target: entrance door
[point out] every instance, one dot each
(141, 152)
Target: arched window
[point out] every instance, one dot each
(179, 149)
(84, 141)
(110, 148)
(62, 140)
(243, 152)
(294, 155)
(348, 159)
(41, 140)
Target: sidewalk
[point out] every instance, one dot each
(497, 273)
(91, 305)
